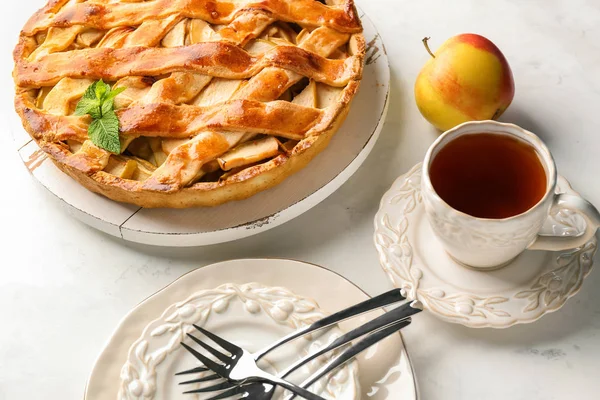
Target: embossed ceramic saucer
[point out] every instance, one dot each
(143, 355)
(532, 285)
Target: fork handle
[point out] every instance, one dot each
(353, 351)
(390, 317)
(385, 299)
(297, 390)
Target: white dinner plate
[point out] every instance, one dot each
(142, 356)
(209, 225)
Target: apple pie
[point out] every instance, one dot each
(217, 99)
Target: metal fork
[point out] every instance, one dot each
(385, 299)
(351, 352)
(391, 317)
(257, 391)
(240, 367)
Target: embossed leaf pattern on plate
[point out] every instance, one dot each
(139, 374)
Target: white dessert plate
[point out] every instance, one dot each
(142, 356)
(203, 226)
(534, 284)
(251, 315)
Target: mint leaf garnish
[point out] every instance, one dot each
(90, 92)
(110, 95)
(107, 106)
(98, 101)
(104, 132)
(87, 106)
(101, 89)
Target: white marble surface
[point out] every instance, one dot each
(64, 286)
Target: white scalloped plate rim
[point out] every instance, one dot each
(297, 276)
(155, 227)
(176, 321)
(436, 293)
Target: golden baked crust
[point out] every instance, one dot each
(223, 99)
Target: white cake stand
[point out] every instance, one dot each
(203, 226)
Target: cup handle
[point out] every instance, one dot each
(579, 205)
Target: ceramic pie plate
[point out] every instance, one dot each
(203, 226)
(140, 359)
(532, 285)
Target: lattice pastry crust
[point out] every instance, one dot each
(223, 99)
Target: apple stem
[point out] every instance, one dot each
(425, 40)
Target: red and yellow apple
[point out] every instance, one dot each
(467, 79)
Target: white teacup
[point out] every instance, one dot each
(487, 244)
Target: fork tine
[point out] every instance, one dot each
(234, 391)
(210, 349)
(219, 369)
(196, 370)
(203, 379)
(230, 347)
(215, 388)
